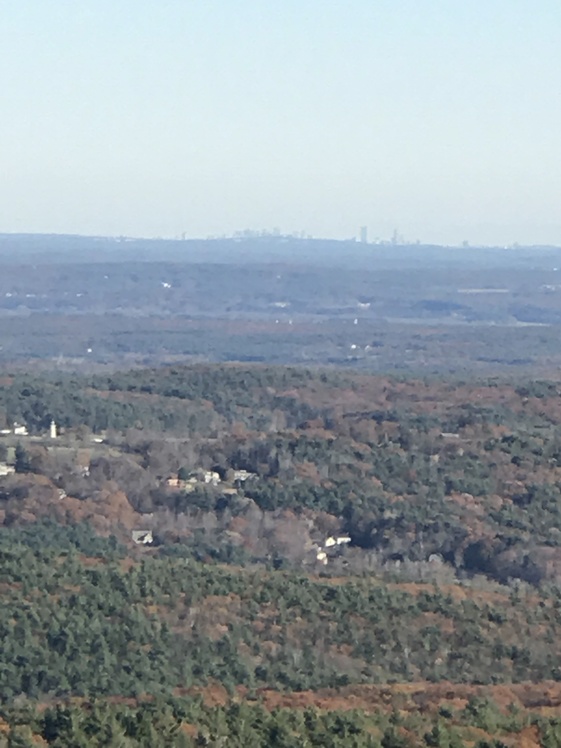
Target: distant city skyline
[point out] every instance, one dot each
(395, 239)
(140, 118)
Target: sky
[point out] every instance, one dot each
(438, 118)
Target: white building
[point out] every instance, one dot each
(211, 477)
(142, 537)
(322, 557)
(243, 475)
(331, 542)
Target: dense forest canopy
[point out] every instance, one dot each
(313, 537)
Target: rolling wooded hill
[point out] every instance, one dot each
(437, 623)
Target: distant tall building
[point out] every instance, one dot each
(52, 430)
(364, 234)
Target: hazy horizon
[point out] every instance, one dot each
(158, 119)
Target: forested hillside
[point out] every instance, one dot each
(205, 553)
(102, 647)
(466, 471)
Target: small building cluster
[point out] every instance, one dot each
(187, 485)
(206, 477)
(18, 429)
(329, 545)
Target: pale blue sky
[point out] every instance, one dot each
(156, 117)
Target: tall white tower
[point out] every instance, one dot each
(52, 431)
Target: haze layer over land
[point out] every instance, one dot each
(143, 118)
(80, 302)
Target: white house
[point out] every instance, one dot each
(243, 475)
(333, 542)
(343, 540)
(211, 477)
(142, 537)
